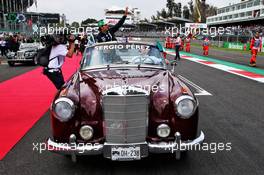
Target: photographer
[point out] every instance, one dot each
(57, 57)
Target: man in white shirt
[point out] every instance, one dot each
(57, 57)
(178, 44)
(2, 46)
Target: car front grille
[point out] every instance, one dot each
(126, 118)
(20, 55)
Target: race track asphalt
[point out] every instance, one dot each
(234, 113)
(231, 56)
(7, 72)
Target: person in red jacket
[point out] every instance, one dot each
(255, 48)
(206, 44)
(188, 44)
(182, 44)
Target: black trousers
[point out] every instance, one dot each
(177, 50)
(3, 50)
(55, 77)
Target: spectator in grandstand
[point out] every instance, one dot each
(255, 45)
(206, 44)
(108, 34)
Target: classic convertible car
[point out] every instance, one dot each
(26, 54)
(124, 104)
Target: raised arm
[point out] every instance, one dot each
(116, 27)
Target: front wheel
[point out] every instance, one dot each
(35, 61)
(11, 64)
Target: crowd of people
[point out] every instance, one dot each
(181, 42)
(11, 42)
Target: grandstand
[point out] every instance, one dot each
(114, 14)
(245, 14)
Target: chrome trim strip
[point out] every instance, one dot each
(184, 97)
(124, 144)
(72, 140)
(120, 66)
(64, 99)
(67, 100)
(11, 60)
(178, 100)
(96, 149)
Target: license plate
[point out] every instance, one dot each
(125, 153)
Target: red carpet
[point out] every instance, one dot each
(24, 100)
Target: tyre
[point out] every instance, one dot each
(11, 64)
(35, 61)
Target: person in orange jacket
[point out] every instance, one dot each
(206, 44)
(188, 44)
(182, 44)
(167, 42)
(255, 45)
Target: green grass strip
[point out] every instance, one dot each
(226, 63)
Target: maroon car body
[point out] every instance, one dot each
(120, 109)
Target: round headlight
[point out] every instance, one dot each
(64, 109)
(185, 106)
(86, 132)
(163, 130)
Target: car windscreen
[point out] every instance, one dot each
(130, 54)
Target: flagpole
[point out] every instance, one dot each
(3, 10)
(14, 8)
(8, 6)
(28, 5)
(22, 4)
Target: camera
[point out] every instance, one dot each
(55, 39)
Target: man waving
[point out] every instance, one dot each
(107, 33)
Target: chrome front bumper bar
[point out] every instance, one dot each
(24, 59)
(74, 149)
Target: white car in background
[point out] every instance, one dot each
(26, 54)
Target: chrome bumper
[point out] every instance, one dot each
(24, 59)
(74, 149)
